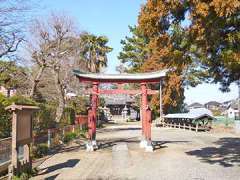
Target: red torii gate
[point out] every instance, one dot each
(142, 78)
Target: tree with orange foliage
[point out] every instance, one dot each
(198, 39)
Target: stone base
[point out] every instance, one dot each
(94, 143)
(148, 148)
(143, 143)
(91, 146)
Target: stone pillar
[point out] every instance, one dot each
(26, 156)
(143, 142)
(49, 138)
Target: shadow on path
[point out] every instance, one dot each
(104, 144)
(118, 129)
(226, 153)
(163, 144)
(68, 164)
(156, 144)
(52, 177)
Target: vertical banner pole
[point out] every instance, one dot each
(160, 101)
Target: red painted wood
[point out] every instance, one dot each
(122, 91)
(90, 119)
(94, 109)
(84, 79)
(143, 107)
(148, 124)
(81, 119)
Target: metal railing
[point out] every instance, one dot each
(5, 149)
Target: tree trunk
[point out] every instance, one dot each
(36, 81)
(61, 97)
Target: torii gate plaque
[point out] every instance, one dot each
(142, 78)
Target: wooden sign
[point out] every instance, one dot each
(22, 123)
(24, 127)
(21, 136)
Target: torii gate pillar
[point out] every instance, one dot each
(146, 121)
(92, 119)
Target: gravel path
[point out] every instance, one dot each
(178, 154)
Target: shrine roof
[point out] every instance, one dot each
(197, 113)
(121, 78)
(117, 99)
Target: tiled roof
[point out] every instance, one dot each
(117, 99)
(192, 114)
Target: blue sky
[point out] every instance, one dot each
(111, 18)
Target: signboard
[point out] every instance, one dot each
(24, 127)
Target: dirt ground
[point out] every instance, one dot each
(179, 154)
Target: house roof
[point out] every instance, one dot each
(234, 106)
(192, 114)
(213, 103)
(196, 104)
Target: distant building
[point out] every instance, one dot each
(7, 92)
(70, 95)
(117, 103)
(195, 106)
(216, 107)
(197, 118)
(196, 113)
(232, 111)
(226, 104)
(213, 105)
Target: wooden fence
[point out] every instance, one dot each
(204, 124)
(5, 148)
(47, 136)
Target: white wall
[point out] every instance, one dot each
(231, 113)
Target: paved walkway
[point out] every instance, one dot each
(178, 154)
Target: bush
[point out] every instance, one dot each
(68, 116)
(18, 99)
(79, 104)
(22, 176)
(39, 151)
(44, 118)
(56, 140)
(27, 174)
(69, 137)
(81, 132)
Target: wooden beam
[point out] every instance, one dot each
(121, 91)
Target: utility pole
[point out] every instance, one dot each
(238, 83)
(160, 100)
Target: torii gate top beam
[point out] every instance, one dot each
(153, 77)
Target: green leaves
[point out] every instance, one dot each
(134, 50)
(94, 51)
(210, 40)
(12, 75)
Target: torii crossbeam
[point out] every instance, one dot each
(142, 78)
